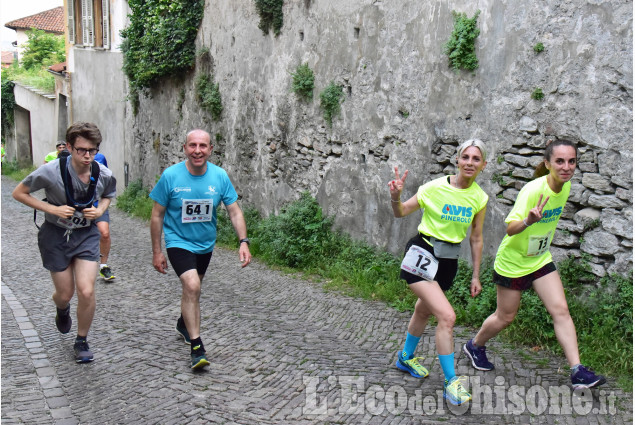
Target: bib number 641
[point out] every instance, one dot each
(420, 262)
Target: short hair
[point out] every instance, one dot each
(198, 130)
(473, 142)
(60, 143)
(87, 130)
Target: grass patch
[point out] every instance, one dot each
(135, 201)
(13, 170)
(38, 78)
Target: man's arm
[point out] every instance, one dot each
(238, 221)
(22, 193)
(156, 229)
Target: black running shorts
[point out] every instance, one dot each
(447, 266)
(183, 260)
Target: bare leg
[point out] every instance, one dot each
(507, 303)
(190, 306)
(85, 275)
(432, 301)
(104, 240)
(549, 289)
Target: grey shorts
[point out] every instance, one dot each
(57, 253)
(105, 217)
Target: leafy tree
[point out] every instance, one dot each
(42, 49)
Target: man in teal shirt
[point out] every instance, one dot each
(186, 198)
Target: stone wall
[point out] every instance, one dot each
(403, 106)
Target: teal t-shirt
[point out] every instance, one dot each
(191, 202)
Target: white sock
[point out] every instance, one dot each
(101, 266)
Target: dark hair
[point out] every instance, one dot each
(87, 130)
(541, 169)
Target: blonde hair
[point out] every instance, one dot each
(473, 142)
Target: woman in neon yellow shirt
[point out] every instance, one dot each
(452, 205)
(523, 260)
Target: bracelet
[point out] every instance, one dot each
(525, 222)
(396, 202)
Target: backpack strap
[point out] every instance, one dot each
(68, 185)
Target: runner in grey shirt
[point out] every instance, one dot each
(69, 239)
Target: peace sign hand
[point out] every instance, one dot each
(396, 186)
(535, 214)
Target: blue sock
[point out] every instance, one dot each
(447, 364)
(410, 346)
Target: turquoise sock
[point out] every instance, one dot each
(447, 364)
(410, 346)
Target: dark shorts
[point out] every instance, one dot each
(105, 217)
(183, 260)
(447, 266)
(524, 282)
(57, 253)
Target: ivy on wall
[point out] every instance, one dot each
(8, 103)
(208, 95)
(460, 46)
(159, 42)
(270, 12)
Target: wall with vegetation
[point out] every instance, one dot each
(41, 112)
(403, 105)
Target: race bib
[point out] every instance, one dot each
(75, 222)
(196, 210)
(420, 262)
(538, 245)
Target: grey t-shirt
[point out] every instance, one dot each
(49, 178)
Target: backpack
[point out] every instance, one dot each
(69, 190)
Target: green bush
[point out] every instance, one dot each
(159, 41)
(271, 15)
(208, 95)
(460, 46)
(303, 81)
(42, 49)
(15, 171)
(539, 47)
(135, 201)
(330, 100)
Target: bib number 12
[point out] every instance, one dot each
(420, 262)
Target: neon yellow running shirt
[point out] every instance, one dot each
(449, 211)
(528, 251)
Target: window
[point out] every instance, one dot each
(89, 23)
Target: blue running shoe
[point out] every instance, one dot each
(411, 365)
(583, 378)
(478, 356)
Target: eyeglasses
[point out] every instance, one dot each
(83, 151)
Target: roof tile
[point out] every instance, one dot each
(50, 20)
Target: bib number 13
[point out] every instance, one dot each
(196, 210)
(420, 262)
(538, 245)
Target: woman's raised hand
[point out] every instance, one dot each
(535, 214)
(396, 186)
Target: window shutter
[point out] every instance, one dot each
(71, 21)
(105, 17)
(87, 23)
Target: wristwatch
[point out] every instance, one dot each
(246, 240)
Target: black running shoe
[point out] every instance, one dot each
(199, 359)
(63, 320)
(82, 352)
(182, 330)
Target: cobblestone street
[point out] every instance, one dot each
(282, 350)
